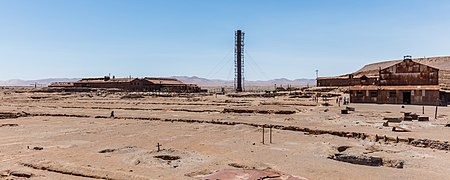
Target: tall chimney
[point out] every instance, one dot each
(239, 60)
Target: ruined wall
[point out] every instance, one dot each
(409, 72)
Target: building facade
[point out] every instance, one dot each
(419, 95)
(405, 82)
(346, 80)
(146, 84)
(415, 66)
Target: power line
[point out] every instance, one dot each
(220, 65)
(259, 69)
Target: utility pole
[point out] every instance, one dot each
(317, 76)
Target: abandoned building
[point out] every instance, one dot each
(369, 74)
(419, 81)
(61, 84)
(145, 84)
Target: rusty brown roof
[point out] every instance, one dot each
(167, 81)
(433, 87)
(346, 76)
(441, 63)
(105, 80)
(333, 77)
(61, 84)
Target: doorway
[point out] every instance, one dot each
(407, 97)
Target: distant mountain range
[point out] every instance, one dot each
(217, 82)
(39, 82)
(186, 79)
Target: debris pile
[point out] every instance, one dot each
(16, 174)
(8, 115)
(433, 144)
(368, 160)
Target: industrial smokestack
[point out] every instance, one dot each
(239, 61)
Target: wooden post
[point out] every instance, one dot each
(423, 109)
(436, 111)
(159, 145)
(263, 135)
(270, 134)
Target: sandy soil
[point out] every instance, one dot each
(72, 136)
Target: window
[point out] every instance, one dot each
(359, 94)
(392, 94)
(373, 93)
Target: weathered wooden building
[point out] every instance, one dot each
(129, 84)
(168, 85)
(347, 80)
(372, 72)
(420, 95)
(61, 84)
(405, 82)
(408, 72)
(146, 84)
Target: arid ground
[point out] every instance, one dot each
(74, 136)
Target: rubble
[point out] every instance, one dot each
(368, 160)
(360, 160)
(8, 125)
(433, 144)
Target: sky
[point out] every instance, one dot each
(283, 39)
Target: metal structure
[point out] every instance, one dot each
(239, 61)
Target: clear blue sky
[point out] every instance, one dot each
(290, 39)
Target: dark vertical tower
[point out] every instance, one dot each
(239, 61)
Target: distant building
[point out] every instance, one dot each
(62, 84)
(409, 81)
(405, 82)
(369, 74)
(132, 84)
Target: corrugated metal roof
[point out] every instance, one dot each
(347, 77)
(169, 81)
(441, 63)
(61, 84)
(105, 80)
(334, 77)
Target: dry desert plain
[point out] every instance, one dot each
(73, 136)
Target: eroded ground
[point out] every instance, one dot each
(73, 136)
